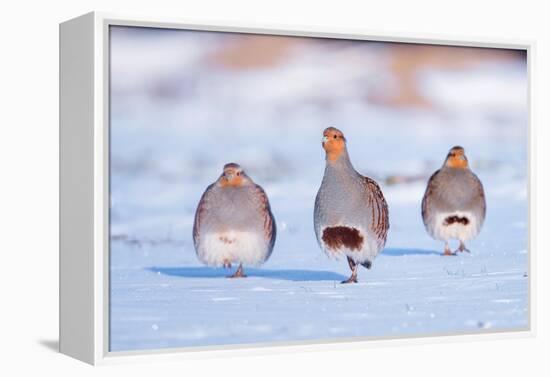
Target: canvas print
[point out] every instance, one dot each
(276, 189)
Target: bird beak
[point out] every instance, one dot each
(325, 139)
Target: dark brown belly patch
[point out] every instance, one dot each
(456, 220)
(337, 236)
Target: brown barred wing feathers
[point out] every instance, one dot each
(380, 213)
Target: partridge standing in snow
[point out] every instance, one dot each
(233, 222)
(453, 206)
(351, 214)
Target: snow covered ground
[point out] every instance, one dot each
(176, 119)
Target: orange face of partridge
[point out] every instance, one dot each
(334, 143)
(456, 158)
(233, 176)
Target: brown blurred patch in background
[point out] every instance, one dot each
(404, 61)
(246, 51)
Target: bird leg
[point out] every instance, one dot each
(448, 250)
(226, 264)
(353, 268)
(462, 248)
(239, 273)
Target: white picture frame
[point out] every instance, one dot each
(84, 188)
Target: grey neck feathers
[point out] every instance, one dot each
(340, 166)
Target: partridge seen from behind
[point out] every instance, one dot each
(454, 205)
(233, 222)
(351, 214)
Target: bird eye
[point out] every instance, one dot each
(238, 173)
(336, 136)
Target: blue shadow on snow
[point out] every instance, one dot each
(291, 275)
(405, 252)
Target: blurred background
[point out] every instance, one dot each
(184, 103)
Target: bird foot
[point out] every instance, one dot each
(448, 252)
(238, 274)
(461, 248)
(352, 279)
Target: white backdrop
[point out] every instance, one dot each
(29, 191)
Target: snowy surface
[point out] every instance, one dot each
(176, 120)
